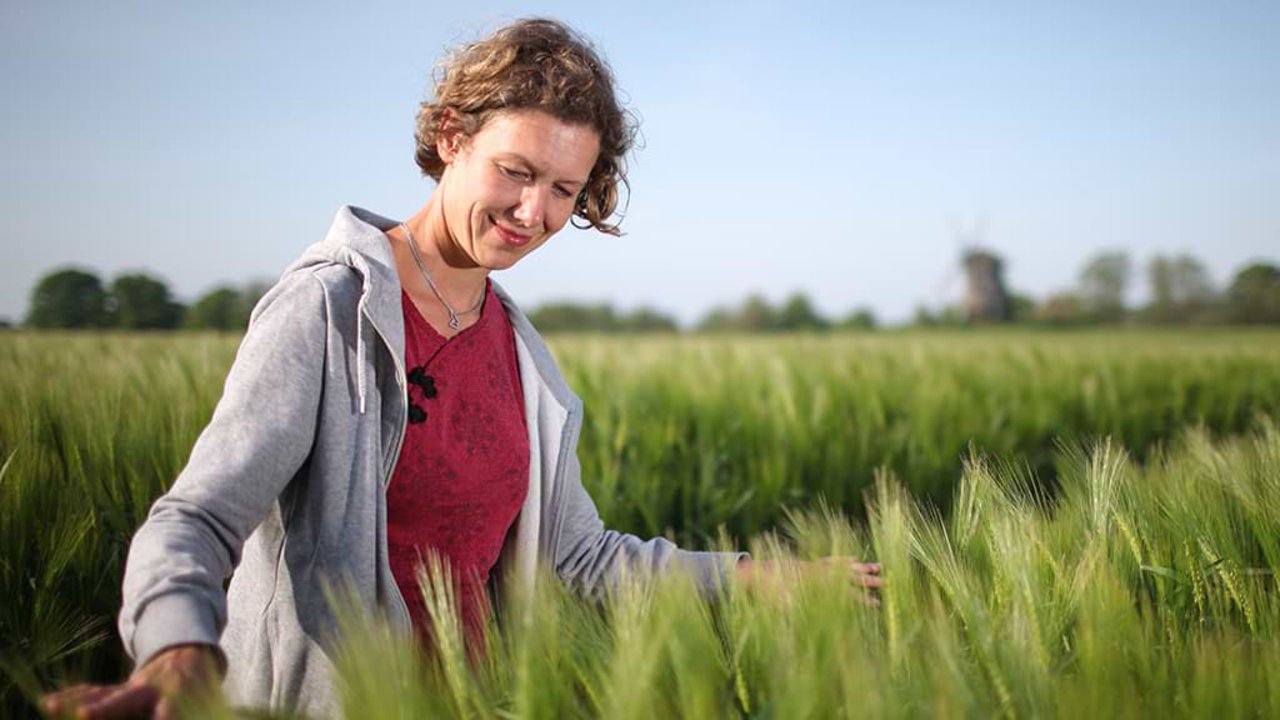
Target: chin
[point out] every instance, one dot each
(501, 260)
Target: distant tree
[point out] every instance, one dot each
(716, 320)
(1061, 309)
(222, 308)
(797, 313)
(568, 316)
(68, 298)
(5, 324)
(756, 315)
(601, 317)
(860, 319)
(924, 317)
(1254, 295)
(946, 316)
(648, 320)
(1180, 290)
(141, 302)
(250, 294)
(1202, 302)
(1103, 283)
(1023, 306)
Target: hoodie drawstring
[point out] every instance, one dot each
(360, 350)
(363, 268)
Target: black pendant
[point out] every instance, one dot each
(416, 414)
(427, 384)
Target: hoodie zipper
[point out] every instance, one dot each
(558, 491)
(403, 384)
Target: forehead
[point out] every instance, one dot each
(564, 150)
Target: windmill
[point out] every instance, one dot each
(985, 298)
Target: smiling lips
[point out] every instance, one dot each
(512, 238)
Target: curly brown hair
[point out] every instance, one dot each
(530, 64)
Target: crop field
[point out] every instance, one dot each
(1070, 524)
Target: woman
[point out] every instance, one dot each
(389, 400)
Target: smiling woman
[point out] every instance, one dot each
(534, 64)
(506, 191)
(390, 403)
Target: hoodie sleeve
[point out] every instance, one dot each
(592, 559)
(260, 435)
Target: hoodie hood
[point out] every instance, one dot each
(357, 240)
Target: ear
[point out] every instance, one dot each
(449, 138)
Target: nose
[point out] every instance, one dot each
(532, 207)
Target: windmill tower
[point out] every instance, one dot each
(985, 297)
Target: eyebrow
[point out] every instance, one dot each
(533, 166)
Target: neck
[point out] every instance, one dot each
(454, 273)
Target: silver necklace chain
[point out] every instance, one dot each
(454, 322)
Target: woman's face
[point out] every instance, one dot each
(514, 184)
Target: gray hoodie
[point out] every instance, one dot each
(285, 486)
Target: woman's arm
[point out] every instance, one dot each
(261, 432)
(591, 558)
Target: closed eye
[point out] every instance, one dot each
(561, 191)
(515, 174)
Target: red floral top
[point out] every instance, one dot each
(463, 470)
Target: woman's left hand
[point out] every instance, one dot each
(769, 575)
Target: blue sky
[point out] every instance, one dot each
(839, 149)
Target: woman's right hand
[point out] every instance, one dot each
(152, 691)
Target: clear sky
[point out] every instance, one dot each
(833, 148)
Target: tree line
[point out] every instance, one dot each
(74, 298)
(1181, 292)
(755, 314)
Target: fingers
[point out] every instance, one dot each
(864, 576)
(129, 700)
(68, 699)
(176, 671)
(869, 581)
(867, 576)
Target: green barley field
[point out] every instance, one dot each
(1071, 524)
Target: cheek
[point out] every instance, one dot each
(498, 195)
(558, 219)
(485, 194)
